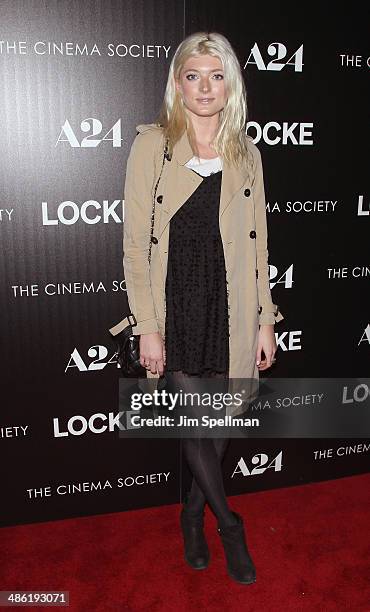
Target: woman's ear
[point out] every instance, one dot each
(178, 86)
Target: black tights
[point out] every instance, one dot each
(204, 457)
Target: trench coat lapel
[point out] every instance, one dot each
(183, 181)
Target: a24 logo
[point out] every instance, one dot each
(95, 127)
(97, 353)
(280, 60)
(261, 463)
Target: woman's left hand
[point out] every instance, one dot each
(267, 343)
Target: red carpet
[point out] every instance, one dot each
(310, 545)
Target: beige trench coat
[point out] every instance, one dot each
(243, 228)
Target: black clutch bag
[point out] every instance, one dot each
(128, 350)
(128, 343)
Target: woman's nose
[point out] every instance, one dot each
(204, 85)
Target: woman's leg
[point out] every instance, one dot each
(204, 463)
(196, 499)
(204, 456)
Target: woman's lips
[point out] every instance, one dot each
(205, 100)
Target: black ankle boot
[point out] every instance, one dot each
(240, 566)
(195, 545)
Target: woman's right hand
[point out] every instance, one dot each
(152, 353)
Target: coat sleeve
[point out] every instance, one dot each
(136, 235)
(268, 311)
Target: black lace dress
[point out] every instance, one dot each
(197, 321)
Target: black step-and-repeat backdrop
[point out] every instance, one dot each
(77, 77)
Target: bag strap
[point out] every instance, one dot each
(165, 155)
(127, 321)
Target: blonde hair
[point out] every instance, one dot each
(231, 141)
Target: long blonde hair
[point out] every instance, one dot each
(231, 141)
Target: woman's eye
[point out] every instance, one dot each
(190, 76)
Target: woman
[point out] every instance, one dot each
(203, 306)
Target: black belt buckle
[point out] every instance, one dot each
(133, 316)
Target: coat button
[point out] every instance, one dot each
(252, 234)
(159, 199)
(260, 310)
(247, 192)
(154, 240)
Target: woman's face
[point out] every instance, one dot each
(201, 85)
